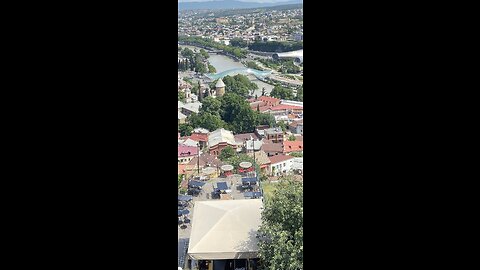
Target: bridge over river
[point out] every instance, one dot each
(234, 71)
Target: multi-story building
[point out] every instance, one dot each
(274, 134)
(219, 139)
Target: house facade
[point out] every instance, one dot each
(280, 164)
(296, 127)
(186, 153)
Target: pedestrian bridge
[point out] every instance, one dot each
(257, 73)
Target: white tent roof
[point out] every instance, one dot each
(225, 229)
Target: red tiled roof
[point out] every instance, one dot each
(242, 137)
(279, 158)
(187, 151)
(282, 107)
(272, 147)
(292, 146)
(199, 137)
(204, 159)
(269, 99)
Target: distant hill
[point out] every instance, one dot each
(230, 4)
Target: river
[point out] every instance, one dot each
(223, 63)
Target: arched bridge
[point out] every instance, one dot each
(257, 73)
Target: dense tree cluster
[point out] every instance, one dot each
(281, 232)
(193, 61)
(289, 67)
(210, 43)
(181, 96)
(227, 152)
(238, 42)
(282, 92)
(238, 84)
(300, 94)
(275, 46)
(287, 93)
(231, 112)
(251, 64)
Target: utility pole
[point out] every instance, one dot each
(198, 158)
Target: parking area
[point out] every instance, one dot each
(234, 192)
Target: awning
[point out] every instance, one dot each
(249, 181)
(227, 167)
(208, 170)
(196, 184)
(222, 186)
(252, 195)
(185, 198)
(245, 164)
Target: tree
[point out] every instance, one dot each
(292, 138)
(211, 105)
(185, 129)
(282, 93)
(296, 154)
(239, 84)
(181, 96)
(300, 93)
(236, 111)
(281, 231)
(187, 53)
(282, 125)
(226, 153)
(238, 42)
(211, 69)
(204, 54)
(200, 94)
(206, 120)
(265, 119)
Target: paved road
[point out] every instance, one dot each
(182, 247)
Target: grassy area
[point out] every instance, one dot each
(179, 179)
(268, 189)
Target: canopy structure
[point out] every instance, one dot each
(222, 186)
(249, 181)
(245, 164)
(208, 170)
(183, 212)
(225, 229)
(184, 198)
(252, 194)
(196, 184)
(226, 167)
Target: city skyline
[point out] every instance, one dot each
(251, 1)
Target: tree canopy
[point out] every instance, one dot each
(185, 129)
(282, 92)
(300, 93)
(239, 84)
(281, 231)
(226, 153)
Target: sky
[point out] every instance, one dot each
(257, 1)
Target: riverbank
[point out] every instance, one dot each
(208, 49)
(222, 62)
